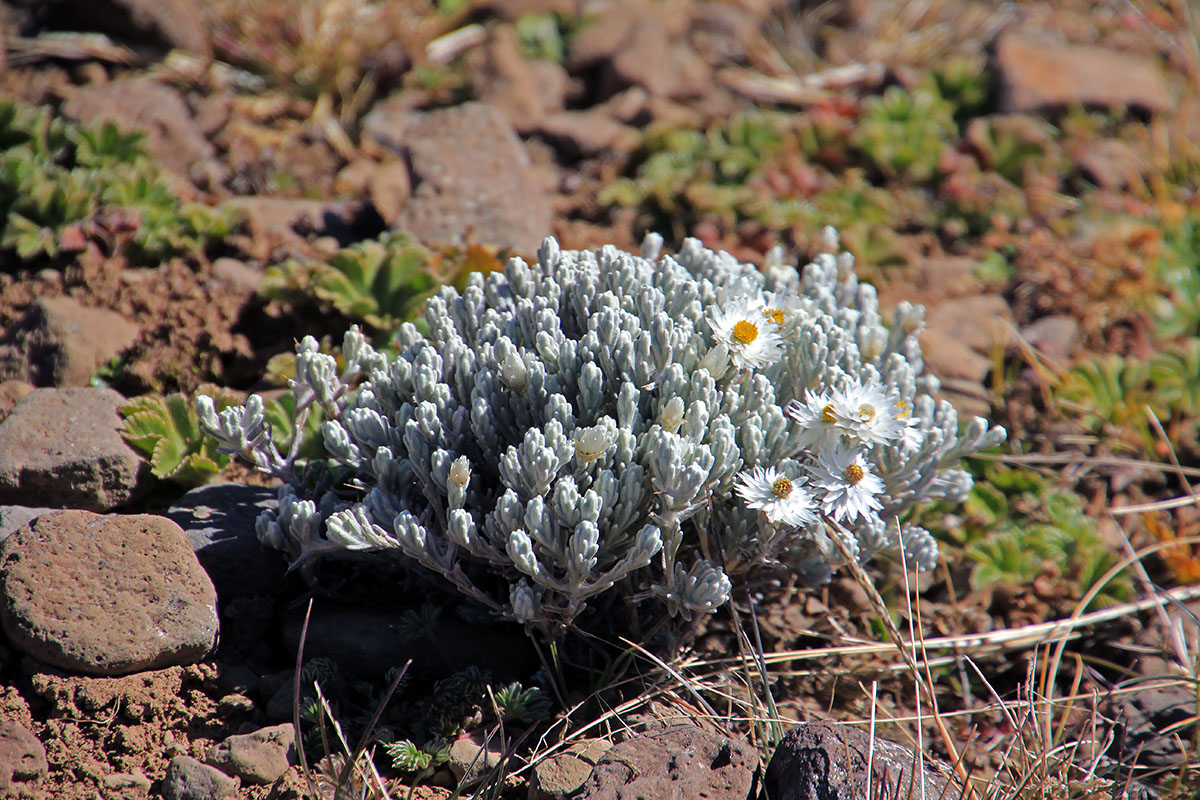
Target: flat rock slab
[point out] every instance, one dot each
(61, 448)
(1038, 73)
(59, 342)
(819, 761)
(105, 595)
(473, 182)
(218, 520)
(679, 763)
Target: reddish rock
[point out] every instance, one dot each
(11, 393)
(588, 133)
(524, 90)
(141, 104)
(106, 595)
(390, 187)
(284, 223)
(61, 447)
(168, 24)
(259, 757)
(59, 342)
(680, 762)
(820, 761)
(561, 775)
(982, 322)
(188, 779)
(474, 183)
(1038, 73)
(1112, 164)
(22, 759)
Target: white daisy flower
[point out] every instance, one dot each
(845, 486)
(817, 417)
(784, 309)
(777, 496)
(910, 427)
(867, 413)
(753, 340)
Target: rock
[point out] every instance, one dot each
(982, 322)
(22, 758)
(127, 784)
(524, 90)
(164, 24)
(820, 761)
(141, 104)
(1054, 337)
(642, 44)
(1144, 715)
(473, 754)
(665, 68)
(1113, 164)
(105, 595)
(1038, 74)
(13, 518)
(188, 779)
(931, 281)
(258, 757)
(280, 222)
(59, 342)
(560, 776)
(680, 762)
(237, 274)
(60, 447)
(369, 642)
(473, 180)
(11, 393)
(390, 188)
(218, 520)
(588, 133)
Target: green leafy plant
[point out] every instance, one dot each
(1018, 526)
(165, 431)
(62, 184)
(381, 282)
(1178, 268)
(905, 133)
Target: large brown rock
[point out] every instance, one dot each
(61, 448)
(1038, 73)
(819, 761)
(679, 763)
(472, 179)
(59, 342)
(105, 595)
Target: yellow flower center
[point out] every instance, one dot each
(902, 410)
(745, 331)
(854, 473)
(829, 414)
(781, 488)
(774, 314)
(866, 412)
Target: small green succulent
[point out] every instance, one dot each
(59, 180)
(382, 281)
(165, 431)
(1017, 525)
(905, 133)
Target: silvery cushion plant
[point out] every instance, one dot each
(601, 427)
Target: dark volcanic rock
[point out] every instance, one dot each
(820, 761)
